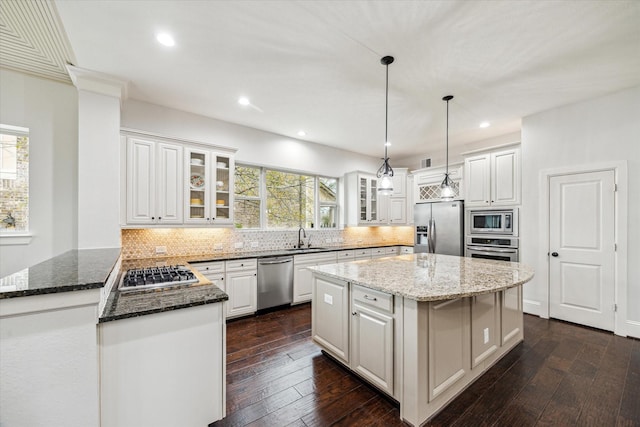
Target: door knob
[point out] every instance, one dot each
(554, 254)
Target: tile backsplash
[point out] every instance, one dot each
(142, 243)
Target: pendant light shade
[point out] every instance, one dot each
(385, 173)
(446, 188)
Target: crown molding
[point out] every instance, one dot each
(101, 83)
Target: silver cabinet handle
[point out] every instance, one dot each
(370, 298)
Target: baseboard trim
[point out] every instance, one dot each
(633, 329)
(531, 307)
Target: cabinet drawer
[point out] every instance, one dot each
(242, 264)
(324, 258)
(217, 279)
(208, 267)
(393, 250)
(344, 256)
(362, 253)
(406, 249)
(377, 299)
(378, 251)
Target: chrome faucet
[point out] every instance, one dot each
(304, 235)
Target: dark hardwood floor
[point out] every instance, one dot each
(561, 375)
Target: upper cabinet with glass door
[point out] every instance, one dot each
(209, 185)
(363, 206)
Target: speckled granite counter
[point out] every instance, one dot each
(431, 277)
(72, 271)
(228, 256)
(133, 304)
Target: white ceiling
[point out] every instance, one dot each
(315, 65)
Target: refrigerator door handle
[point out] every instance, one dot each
(431, 237)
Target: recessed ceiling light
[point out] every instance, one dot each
(165, 39)
(244, 101)
(485, 124)
(302, 133)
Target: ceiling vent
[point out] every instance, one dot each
(425, 163)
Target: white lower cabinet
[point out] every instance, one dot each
(302, 277)
(356, 326)
(242, 287)
(330, 316)
(372, 337)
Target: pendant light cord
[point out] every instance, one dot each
(386, 113)
(447, 172)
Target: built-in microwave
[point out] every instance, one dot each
(494, 222)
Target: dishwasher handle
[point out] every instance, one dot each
(280, 261)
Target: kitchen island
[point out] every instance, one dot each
(421, 328)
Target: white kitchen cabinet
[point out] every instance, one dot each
(384, 252)
(214, 272)
(399, 182)
(302, 277)
(209, 185)
(153, 182)
(397, 202)
(346, 256)
(364, 253)
(397, 211)
(330, 316)
(426, 183)
(362, 201)
(372, 345)
(242, 287)
(406, 250)
(493, 178)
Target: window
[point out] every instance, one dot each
(328, 200)
(247, 197)
(290, 200)
(275, 199)
(14, 178)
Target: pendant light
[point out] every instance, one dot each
(385, 173)
(446, 188)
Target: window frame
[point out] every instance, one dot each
(12, 236)
(316, 199)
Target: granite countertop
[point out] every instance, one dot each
(228, 256)
(430, 277)
(72, 271)
(123, 305)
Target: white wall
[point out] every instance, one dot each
(99, 169)
(50, 111)
(594, 131)
(438, 156)
(254, 146)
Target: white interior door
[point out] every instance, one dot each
(581, 249)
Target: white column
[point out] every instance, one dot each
(99, 97)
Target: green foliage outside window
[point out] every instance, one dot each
(289, 199)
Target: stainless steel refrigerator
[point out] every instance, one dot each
(439, 227)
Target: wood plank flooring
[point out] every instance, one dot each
(561, 375)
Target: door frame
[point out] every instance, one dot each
(619, 169)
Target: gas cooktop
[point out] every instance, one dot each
(157, 277)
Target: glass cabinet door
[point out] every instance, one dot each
(363, 199)
(223, 193)
(198, 176)
(373, 194)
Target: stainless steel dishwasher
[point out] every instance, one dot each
(275, 281)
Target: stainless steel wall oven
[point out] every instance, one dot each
(499, 248)
(493, 234)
